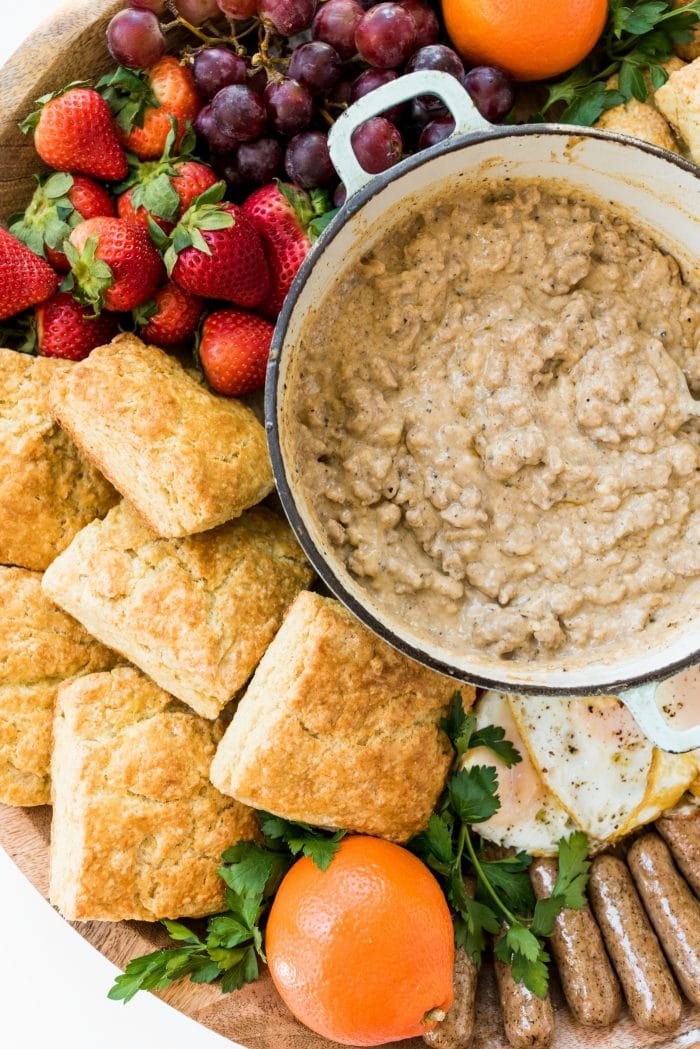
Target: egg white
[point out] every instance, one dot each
(530, 817)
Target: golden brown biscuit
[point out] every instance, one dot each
(186, 459)
(40, 646)
(48, 492)
(679, 101)
(339, 729)
(138, 830)
(195, 614)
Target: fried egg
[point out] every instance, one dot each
(530, 817)
(593, 757)
(678, 699)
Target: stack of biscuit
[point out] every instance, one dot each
(147, 600)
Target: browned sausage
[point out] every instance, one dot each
(528, 1020)
(674, 911)
(587, 978)
(651, 993)
(683, 838)
(456, 1030)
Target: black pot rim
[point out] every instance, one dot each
(320, 564)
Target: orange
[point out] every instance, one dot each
(362, 953)
(530, 39)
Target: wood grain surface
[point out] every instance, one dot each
(71, 46)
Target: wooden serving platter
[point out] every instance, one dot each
(71, 46)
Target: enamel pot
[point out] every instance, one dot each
(657, 189)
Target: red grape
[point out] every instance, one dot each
(260, 162)
(257, 79)
(316, 66)
(340, 195)
(427, 26)
(238, 112)
(157, 6)
(197, 11)
(377, 144)
(342, 92)
(288, 17)
(135, 39)
(227, 168)
(370, 80)
(335, 23)
(239, 9)
(436, 131)
(289, 106)
(437, 56)
(207, 128)
(491, 91)
(307, 160)
(386, 36)
(217, 67)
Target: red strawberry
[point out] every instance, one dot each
(234, 350)
(59, 203)
(215, 252)
(66, 329)
(143, 103)
(25, 279)
(171, 317)
(165, 188)
(287, 220)
(74, 131)
(113, 264)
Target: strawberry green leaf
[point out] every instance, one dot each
(91, 276)
(128, 93)
(299, 200)
(30, 122)
(317, 225)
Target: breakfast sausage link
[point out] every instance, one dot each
(455, 1031)
(527, 1019)
(674, 911)
(683, 838)
(651, 993)
(587, 977)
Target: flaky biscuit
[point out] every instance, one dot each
(186, 459)
(339, 729)
(40, 646)
(138, 829)
(195, 614)
(679, 101)
(48, 491)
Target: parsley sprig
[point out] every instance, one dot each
(503, 900)
(638, 38)
(232, 945)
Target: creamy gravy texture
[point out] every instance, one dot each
(487, 422)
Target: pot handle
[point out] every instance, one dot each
(641, 703)
(428, 82)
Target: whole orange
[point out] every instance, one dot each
(530, 39)
(362, 952)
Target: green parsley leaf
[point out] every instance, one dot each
(574, 867)
(473, 794)
(180, 932)
(510, 877)
(458, 726)
(252, 870)
(320, 846)
(493, 737)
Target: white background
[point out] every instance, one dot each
(53, 984)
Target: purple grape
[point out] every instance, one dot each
(335, 23)
(197, 11)
(316, 66)
(157, 6)
(386, 36)
(206, 127)
(427, 26)
(340, 195)
(257, 79)
(437, 56)
(288, 17)
(377, 144)
(238, 112)
(238, 10)
(217, 67)
(307, 160)
(491, 92)
(425, 109)
(227, 168)
(260, 162)
(436, 131)
(342, 92)
(135, 39)
(369, 81)
(289, 106)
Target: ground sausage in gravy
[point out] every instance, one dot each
(487, 421)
